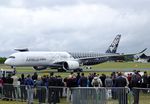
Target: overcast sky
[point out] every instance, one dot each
(74, 25)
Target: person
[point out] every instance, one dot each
(121, 82)
(108, 83)
(35, 76)
(52, 81)
(40, 90)
(98, 92)
(83, 81)
(29, 87)
(9, 87)
(114, 91)
(96, 82)
(71, 81)
(60, 84)
(78, 77)
(4, 87)
(1, 86)
(144, 82)
(135, 83)
(103, 77)
(90, 78)
(15, 86)
(22, 88)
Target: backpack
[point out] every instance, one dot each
(96, 83)
(135, 80)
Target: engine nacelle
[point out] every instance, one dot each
(70, 65)
(39, 67)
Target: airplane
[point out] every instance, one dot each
(62, 61)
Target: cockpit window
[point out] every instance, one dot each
(11, 56)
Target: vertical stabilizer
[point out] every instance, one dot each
(113, 47)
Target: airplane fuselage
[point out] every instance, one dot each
(37, 58)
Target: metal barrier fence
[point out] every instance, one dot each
(32, 94)
(76, 95)
(99, 95)
(113, 95)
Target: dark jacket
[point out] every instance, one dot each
(83, 82)
(120, 82)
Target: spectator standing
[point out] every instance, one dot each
(78, 77)
(144, 82)
(23, 88)
(4, 86)
(90, 78)
(114, 91)
(16, 83)
(35, 76)
(122, 93)
(83, 81)
(9, 87)
(41, 94)
(60, 84)
(71, 82)
(53, 95)
(135, 83)
(29, 87)
(108, 82)
(1, 86)
(96, 82)
(103, 77)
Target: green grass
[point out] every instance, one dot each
(121, 65)
(62, 101)
(108, 65)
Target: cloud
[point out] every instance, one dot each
(72, 25)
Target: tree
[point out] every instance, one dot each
(2, 60)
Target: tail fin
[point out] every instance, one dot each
(113, 47)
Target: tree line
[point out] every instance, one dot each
(2, 60)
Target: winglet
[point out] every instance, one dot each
(142, 51)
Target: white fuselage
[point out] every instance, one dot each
(37, 58)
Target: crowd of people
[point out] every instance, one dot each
(9, 85)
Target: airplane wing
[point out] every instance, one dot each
(110, 55)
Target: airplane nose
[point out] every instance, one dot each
(7, 62)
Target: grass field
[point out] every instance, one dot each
(121, 65)
(104, 66)
(63, 101)
(107, 65)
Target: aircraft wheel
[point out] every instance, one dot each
(78, 70)
(61, 70)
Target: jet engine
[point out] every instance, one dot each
(70, 65)
(39, 67)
